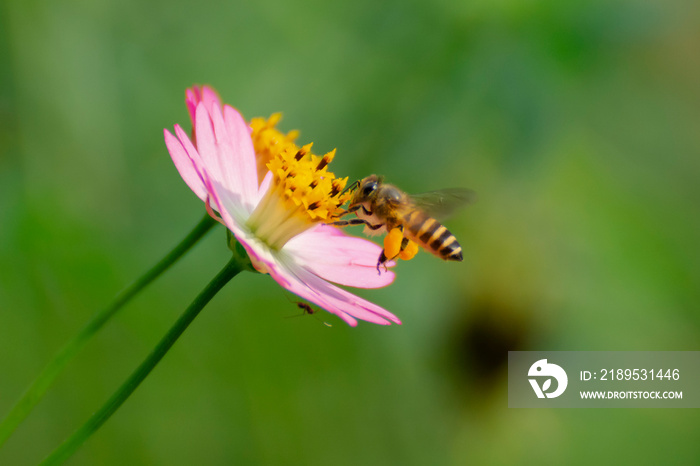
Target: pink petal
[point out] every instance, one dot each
(316, 290)
(343, 302)
(189, 148)
(194, 156)
(227, 153)
(216, 195)
(264, 186)
(239, 132)
(215, 149)
(184, 164)
(206, 143)
(339, 258)
(197, 94)
(229, 204)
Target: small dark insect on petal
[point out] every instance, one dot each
(306, 307)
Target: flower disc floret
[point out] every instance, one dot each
(268, 141)
(303, 193)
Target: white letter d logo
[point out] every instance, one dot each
(542, 369)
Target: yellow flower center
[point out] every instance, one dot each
(302, 193)
(268, 141)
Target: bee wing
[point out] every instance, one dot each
(443, 203)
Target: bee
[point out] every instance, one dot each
(383, 208)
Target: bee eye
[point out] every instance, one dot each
(369, 188)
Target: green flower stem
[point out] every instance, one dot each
(68, 447)
(31, 397)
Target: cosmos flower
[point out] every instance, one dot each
(274, 197)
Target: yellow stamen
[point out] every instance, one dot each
(303, 192)
(268, 141)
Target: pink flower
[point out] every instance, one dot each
(279, 219)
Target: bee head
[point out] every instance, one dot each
(366, 188)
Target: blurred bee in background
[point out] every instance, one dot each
(409, 220)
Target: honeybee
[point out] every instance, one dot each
(382, 208)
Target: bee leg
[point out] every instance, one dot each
(404, 243)
(355, 221)
(408, 249)
(349, 211)
(393, 245)
(382, 262)
(354, 209)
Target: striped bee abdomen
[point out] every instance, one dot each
(432, 236)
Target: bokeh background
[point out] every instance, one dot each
(578, 124)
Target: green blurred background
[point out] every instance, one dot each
(577, 122)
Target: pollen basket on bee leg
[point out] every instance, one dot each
(409, 251)
(392, 243)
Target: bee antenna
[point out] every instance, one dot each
(352, 187)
